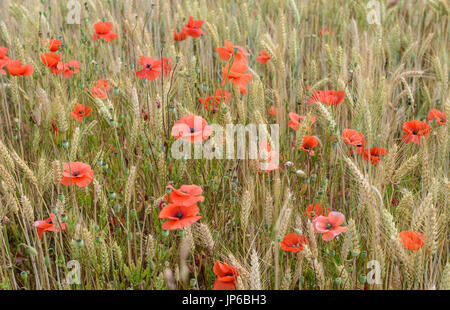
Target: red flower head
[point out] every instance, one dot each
(293, 242)
(226, 51)
(314, 211)
(80, 112)
(330, 225)
(50, 59)
(192, 28)
(414, 130)
(67, 69)
(212, 102)
(352, 137)
(187, 195)
(3, 59)
(76, 172)
(237, 74)
(309, 143)
(103, 30)
(329, 97)
(167, 65)
(15, 67)
(263, 57)
(179, 216)
(324, 31)
(179, 36)
(100, 89)
(193, 128)
(375, 154)
(438, 115)
(226, 276)
(412, 240)
(152, 68)
(48, 225)
(274, 111)
(295, 121)
(270, 158)
(52, 44)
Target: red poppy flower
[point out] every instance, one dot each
(324, 31)
(412, 240)
(152, 68)
(48, 225)
(77, 172)
(309, 143)
(294, 120)
(3, 59)
(80, 112)
(187, 195)
(414, 130)
(103, 30)
(353, 137)
(314, 211)
(67, 69)
(100, 89)
(273, 111)
(55, 128)
(167, 65)
(270, 158)
(330, 226)
(192, 28)
(15, 68)
(226, 276)
(440, 117)
(226, 51)
(50, 59)
(180, 216)
(263, 57)
(329, 97)
(182, 35)
(212, 102)
(237, 74)
(293, 242)
(193, 128)
(52, 44)
(375, 154)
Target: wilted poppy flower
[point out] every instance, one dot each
(329, 97)
(226, 276)
(438, 115)
(179, 216)
(187, 195)
(295, 120)
(330, 225)
(80, 112)
(309, 143)
(15, 68)
(179, 36)
(353, 137)
(192, 28)
(274, 111)
(412, 240)
(77, 172)
(103, 30)
(315, 210)
(375, 154)
(293, 242)
(52, 44)
(152, 68)
(48, 225)
(414, 130)
(192, 127)
(237, 74)
(263, 57)
(212, 102)
(50, 59)
(226, 51)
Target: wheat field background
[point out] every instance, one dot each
(110, 230)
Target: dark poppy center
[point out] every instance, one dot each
(414, 132)
(179, 215)
(76, 173)
(81, 112)
(329, 226)
(192, 129)
(148, 66)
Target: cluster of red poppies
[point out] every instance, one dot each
(182, 208)
(14, 67)
(53, 60)
(192, 29)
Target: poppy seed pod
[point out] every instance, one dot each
(362, 278)
(65, 144)
(165, 233)
(24, 275)
(338, 281)
(31, 251)
(80, 243)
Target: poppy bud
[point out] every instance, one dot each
(115, 90)
(300, 173)
(364, 254)
(61, 197)
(181, 232)
(193, 282)
(31, 251)
(165, 233)
(362, 278)
(24, 275)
